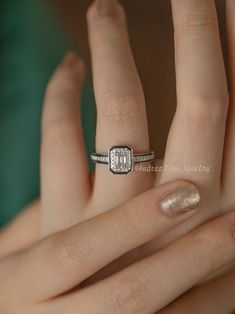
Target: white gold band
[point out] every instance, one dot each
(121, 159)
(137, 158)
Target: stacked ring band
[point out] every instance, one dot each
(121, 159)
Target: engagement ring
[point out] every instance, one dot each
(121, 159)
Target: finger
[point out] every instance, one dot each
(23, 231)
(217, 297)
(154, 282)
(197, 133)
(229, 165)
(121, 112)
(64, 171)
(76, 254)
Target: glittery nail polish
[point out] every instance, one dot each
(182, 199)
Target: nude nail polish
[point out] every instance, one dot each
(182, 199)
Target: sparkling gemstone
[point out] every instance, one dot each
(120, 159)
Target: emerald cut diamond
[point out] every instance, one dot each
(120, 159)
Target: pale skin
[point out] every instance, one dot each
(62, 256)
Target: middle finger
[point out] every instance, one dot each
(197, 134)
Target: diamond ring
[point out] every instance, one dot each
(121, 159)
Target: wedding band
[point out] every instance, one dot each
(121, 159)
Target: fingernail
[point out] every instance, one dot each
(70, 57)
(73, 61)
(182, 199)
(106, 7)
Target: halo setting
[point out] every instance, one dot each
(120, 159)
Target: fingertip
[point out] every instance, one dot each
(103, 8)
(73, 63)
(65, 85)
(69, 74)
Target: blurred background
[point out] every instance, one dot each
(34, 36)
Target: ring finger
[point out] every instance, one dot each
(121, 113)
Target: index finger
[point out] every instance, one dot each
(64, 260)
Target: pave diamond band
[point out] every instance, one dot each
(137, 158)
(121, 159)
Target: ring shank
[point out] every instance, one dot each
(137, 158)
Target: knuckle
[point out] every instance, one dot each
(58, 131)
(206, 111)
(68, 252)
(199, 17)
(131, 295)
(120, 108)
(133, 219)
(208, 251)
(63, 252)
(200, 23)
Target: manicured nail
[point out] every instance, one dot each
(182, 199)
(106, 7)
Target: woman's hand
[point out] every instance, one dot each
(197, 135)
(50, 277)
(121, 119)
(200, 133)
